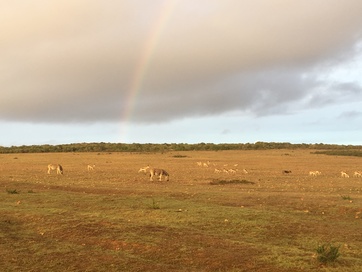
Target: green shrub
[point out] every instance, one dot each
(327, 253)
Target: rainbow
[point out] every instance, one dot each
(144, 61)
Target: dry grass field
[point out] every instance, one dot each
(115, 219)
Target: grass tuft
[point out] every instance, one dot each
(12, 191)
(155, 205)
(345, 197)
(327, 253)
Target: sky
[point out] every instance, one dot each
(180, 71)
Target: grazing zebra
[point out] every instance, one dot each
(344, 175)
(160, 173)
(91, 167)
(357, 174)
(57, 167)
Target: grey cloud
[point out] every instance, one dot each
(333, 93)
(350, 115)
(259, 93)
(76, 61)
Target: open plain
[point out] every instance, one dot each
(271, 217)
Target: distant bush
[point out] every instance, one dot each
(234, 181)
(179, 156)
(329, 149)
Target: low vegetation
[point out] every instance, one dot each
(233, 181)
(12, 191)
(328, 149)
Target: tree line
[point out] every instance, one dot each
(166, 147)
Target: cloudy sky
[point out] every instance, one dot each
(189, 71)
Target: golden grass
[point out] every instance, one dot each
(115, 219)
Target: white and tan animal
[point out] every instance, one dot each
(344, 175)
(56, 167)
(160, 173)
(91, 167)
(232, 171)
(143, 169)
(357, 174)
(314, 173)
(217, 170)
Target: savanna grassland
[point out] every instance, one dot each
(116, 219)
